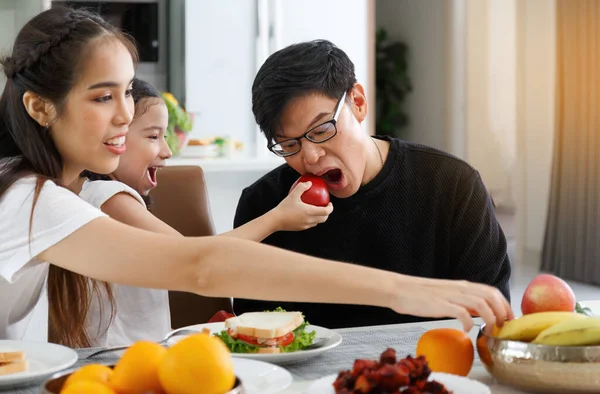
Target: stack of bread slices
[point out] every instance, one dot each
(12, 362)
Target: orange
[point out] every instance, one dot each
(198, 364)
(137, 370)
(86, 387)
(495, 330)
(483, 350)
(92, 373)
(447, 350)
(473, 312)
(482, 346)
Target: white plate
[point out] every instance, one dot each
(44, 359)
(456, 384)
(260, 377)
(333, 339)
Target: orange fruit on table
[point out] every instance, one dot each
(92, 373)
(198, 364)
(87, 387)
(137, 369)
(495, 330)
(483, 350)
(482, 346)
(447, 350)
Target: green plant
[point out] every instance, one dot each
(392, 84)
(180, 123)
(583, 310)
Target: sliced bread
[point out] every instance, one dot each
(6, 357)
(265, 325)
(13, 367)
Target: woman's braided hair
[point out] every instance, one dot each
(13, 67)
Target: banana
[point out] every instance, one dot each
(528, 327)
(578, 332)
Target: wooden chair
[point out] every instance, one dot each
(181, 201)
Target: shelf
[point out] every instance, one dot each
(228, 165)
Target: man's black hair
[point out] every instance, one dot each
(315, 67)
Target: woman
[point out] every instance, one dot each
(66, 108)
(140, 313)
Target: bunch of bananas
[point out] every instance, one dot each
(553, 328)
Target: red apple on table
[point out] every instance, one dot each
(318, 194)
(548, 293)
(220, 316)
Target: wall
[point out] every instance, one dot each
(339, 15)
(491, 94)
(7, 31)
(219, 67)
(423, 25)
(462, 59)
(13, 15)
(535, 102)
(26, 9)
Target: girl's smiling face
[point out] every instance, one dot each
(147, 149)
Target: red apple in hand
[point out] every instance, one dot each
(548, 293)
(318, 194)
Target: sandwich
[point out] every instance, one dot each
(266, 332)
(12, 362)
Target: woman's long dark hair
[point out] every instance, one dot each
(140, 92)
(46, 59)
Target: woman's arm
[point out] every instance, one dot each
(256, 230)
(107, 250)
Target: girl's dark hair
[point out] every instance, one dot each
(140, 91)
(46, 60)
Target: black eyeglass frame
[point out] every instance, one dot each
(333, 121)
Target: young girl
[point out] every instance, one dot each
(140, 313)
(66, 108)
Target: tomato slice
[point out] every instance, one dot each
(280, 341)
(248, 339)
(286, 339)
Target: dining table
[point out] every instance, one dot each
(357, 343)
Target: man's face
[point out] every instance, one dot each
(341, 160)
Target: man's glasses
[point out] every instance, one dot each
(321, 133)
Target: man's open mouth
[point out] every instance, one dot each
(333, 176)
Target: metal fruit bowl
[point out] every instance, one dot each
(541, 368)
(56, 381)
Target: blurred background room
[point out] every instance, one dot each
(510, 86)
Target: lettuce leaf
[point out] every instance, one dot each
(302, 339)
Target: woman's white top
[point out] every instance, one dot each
(58, 213)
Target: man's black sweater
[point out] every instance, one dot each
(425, 214)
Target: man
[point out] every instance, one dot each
(398, 206)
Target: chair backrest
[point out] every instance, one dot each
(181, 200)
